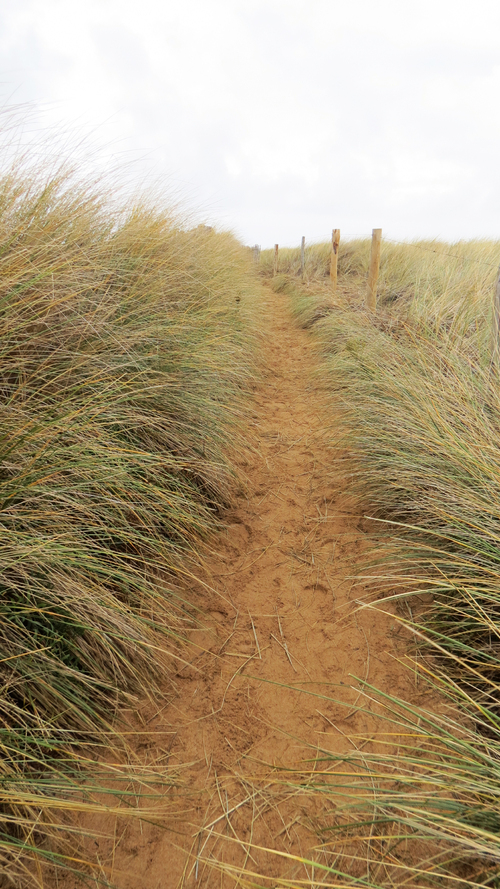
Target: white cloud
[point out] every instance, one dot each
(279, 117)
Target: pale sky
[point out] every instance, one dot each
(276, 118)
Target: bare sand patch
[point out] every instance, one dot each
(269, 681)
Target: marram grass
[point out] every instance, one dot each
(124, 359)
(416, 396)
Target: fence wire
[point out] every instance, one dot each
(364, 237)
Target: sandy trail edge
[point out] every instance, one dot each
(281, 618)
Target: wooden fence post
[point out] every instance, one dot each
(256, 253)
(495, 327)
(371, 290)
(303, 258)
(334, 258)
(275, 262)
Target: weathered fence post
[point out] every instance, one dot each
(495, 327)
(275, 261)
(371, 290)
(334, 258)
(256, 253)
(303, 258)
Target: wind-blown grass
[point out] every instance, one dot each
(432, 279)
(417, 402)
(124, 357)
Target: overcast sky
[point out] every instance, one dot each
(277, 118)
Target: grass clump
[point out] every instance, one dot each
(428, 283)
(419, 403)
(124, 357)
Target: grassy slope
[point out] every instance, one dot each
(420, 410)
(124, 357)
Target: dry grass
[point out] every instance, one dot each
(419, 407)
(124, 360)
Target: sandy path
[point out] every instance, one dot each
(281, 618)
